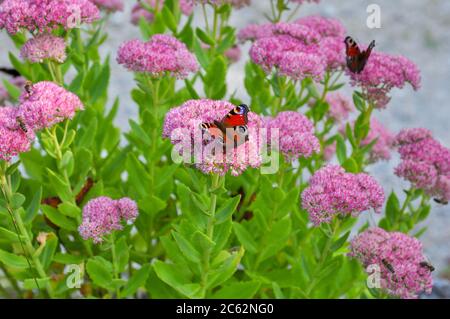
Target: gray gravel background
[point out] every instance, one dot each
(418, 29)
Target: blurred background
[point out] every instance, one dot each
(418, 29)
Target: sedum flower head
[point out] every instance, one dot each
(305, 48)
(296, 133)
(186, 119)
(332, 191)
(15, 136)
(161, 54)
(103, 215)
(45, 15)
(425, 162)
(399, 258)
(340, 107)
(382, 73)
(44, 47)
(47, 104)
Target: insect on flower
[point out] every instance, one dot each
(441, 201)
(22, 125)
(390, 268)
(357, 59)
(28, 87)
(231, 129)
(426, 264)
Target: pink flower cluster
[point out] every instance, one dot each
(103, 215)
(340, 107)
(109, 5)
(385, 140)
(182, 126)
(425, 162)
(305, 48)
(44, 46)
(400, 260)
(45, 15)
(233, 54)
(161, 54)
(381, 150)
(13, 138)
(382, 73)
(42, 106)
(296, 133)
(332, 192)
(48, 104)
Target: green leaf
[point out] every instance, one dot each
(100, 271)
(238, 290)
(13, 91)
(392, 208)
(12, 168)
(137, 280)
(359, 102)
(169, 19)
(340, 242)
(30, 284)
(69, 210)
(227, 209)
(191, 89)
(122, 254)
(245, 238)
(17, 200)
(341, 149)
(61, 188)
(225, 269)
(172, 276)
(204, 37)
(67, 163)
(33, 209)
(139, 133)
(350, 165)
(102, 82)
(276, 238)
(47, 254)
(8, 235)
(289, 202)
(12, 260)
(201, 55)
(215, 79)
(67, 259)
(58, 219)
(186, 247)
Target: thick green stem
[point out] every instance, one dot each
(216, 181)
(324, 256)
(22, 232)
(114, 263)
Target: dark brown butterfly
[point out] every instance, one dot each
(232, 130)
(357, 59)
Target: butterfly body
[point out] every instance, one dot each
(427, 265)
(232, 130)
(357, 59)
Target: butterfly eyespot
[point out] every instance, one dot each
(242, 129)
